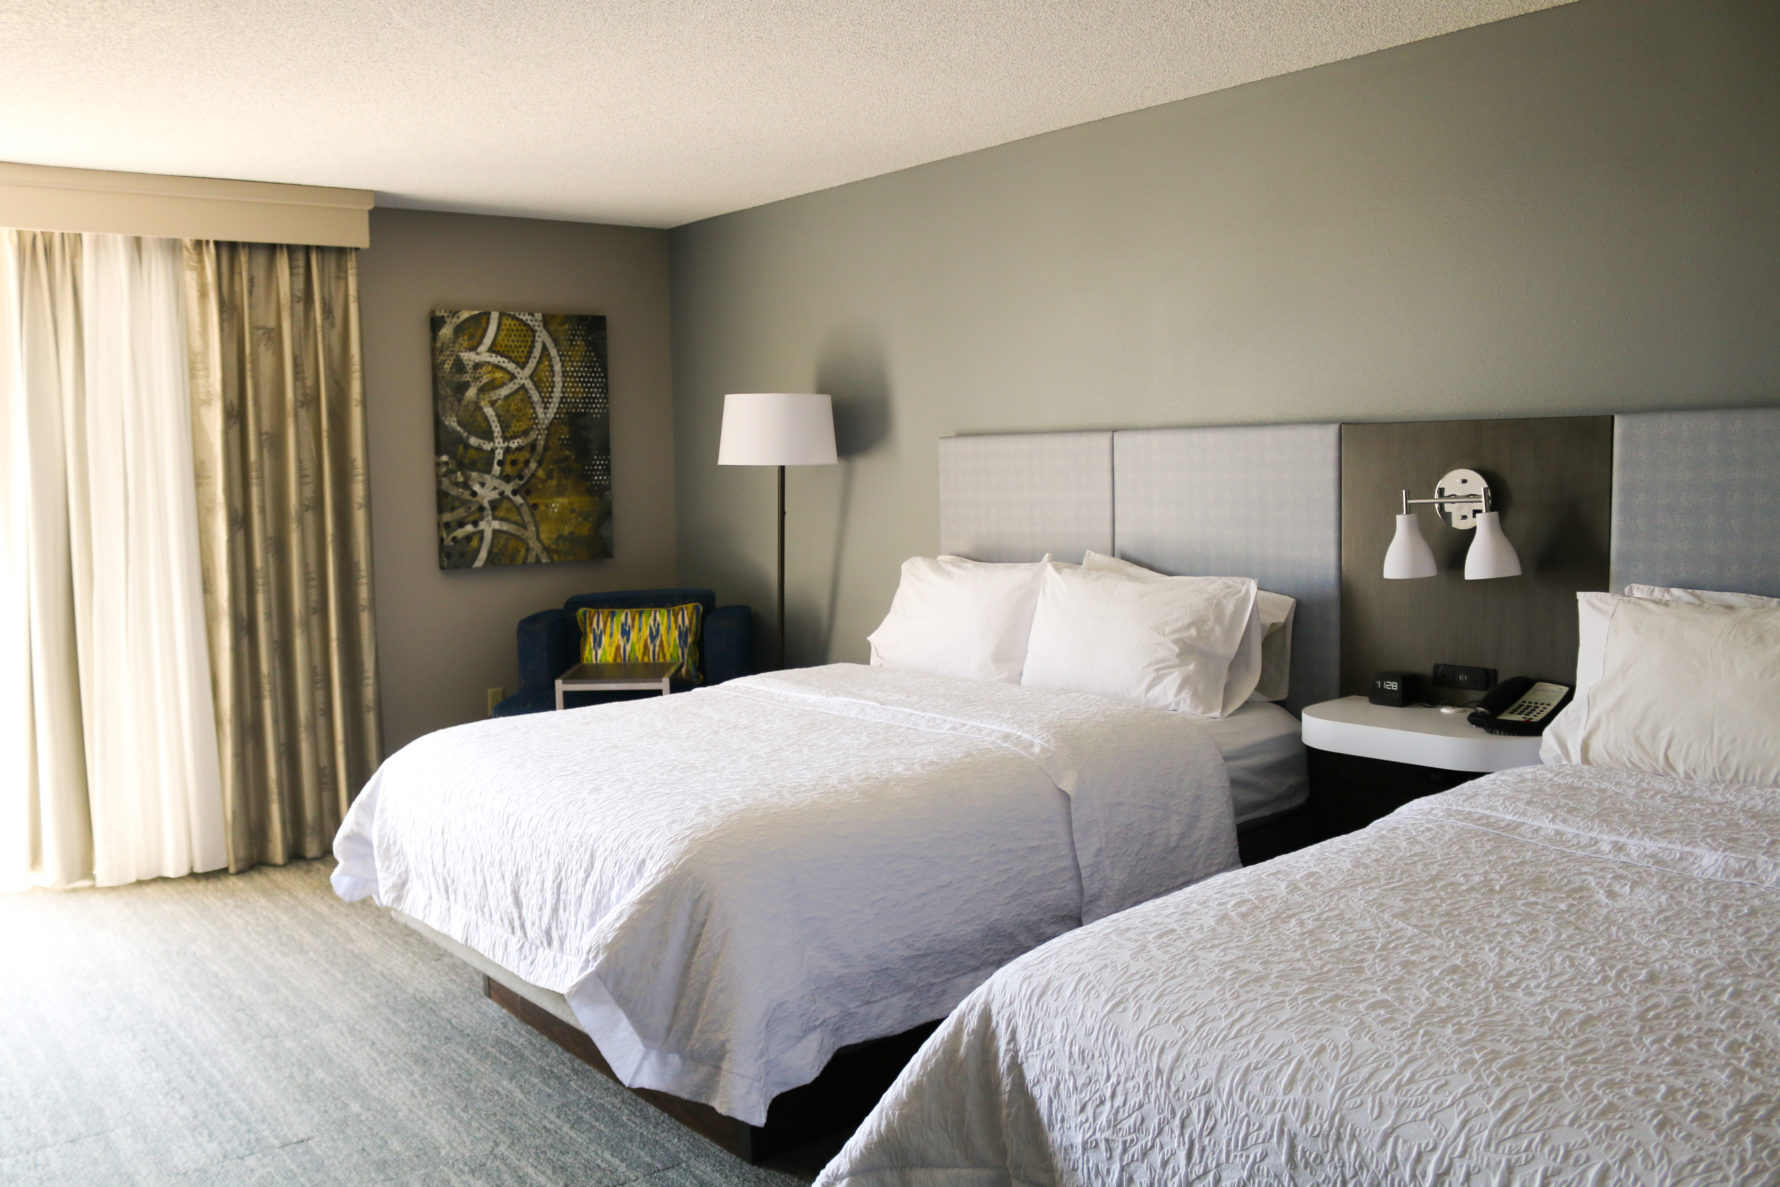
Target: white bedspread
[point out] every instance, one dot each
(729, 884)
(1555, 975)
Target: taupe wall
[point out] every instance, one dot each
(444, 638)
(1573, 211)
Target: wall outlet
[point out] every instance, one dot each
(1460, 676)
(495, 697)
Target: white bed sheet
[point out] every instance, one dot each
(1548, 975)
(729, 885)
(1263, 751)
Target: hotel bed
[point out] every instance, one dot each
(840, 854)
(1551, 974)
(1563, 973)
(1264, 760)
(725, 887)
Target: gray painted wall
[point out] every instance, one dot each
(444, 638)
(1572, 211)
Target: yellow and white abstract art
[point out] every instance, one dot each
(522, 425)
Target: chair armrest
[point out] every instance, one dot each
(728, 644)
(536, 700)
(547, 642)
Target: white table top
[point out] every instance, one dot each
(582, 677)
(654, 677)
(1413, 734)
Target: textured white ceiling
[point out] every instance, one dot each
(649, 112)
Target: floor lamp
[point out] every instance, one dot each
(777, 429)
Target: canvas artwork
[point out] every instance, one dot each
(522, 422)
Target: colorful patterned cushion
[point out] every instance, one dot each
(651, 634)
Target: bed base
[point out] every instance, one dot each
(836, 1100)
(1276, 835)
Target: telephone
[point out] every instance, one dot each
(1520, 705)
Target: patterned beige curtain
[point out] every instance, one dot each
(278, 429)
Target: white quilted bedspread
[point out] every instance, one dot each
(729, 884)
(1551, 975)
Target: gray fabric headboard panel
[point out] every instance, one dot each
(1693, 500)
(1261, 501)
(1018, 496)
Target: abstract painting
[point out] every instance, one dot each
(522, 424)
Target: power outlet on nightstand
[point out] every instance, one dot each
(1461, 676)
(495, 697)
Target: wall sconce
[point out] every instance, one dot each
(1462, 499)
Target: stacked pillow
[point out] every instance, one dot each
(1192, 644)
(1166, 642)
(1675, 681)
(1267, 646)
(955, 617)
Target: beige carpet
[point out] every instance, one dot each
(254, 1028)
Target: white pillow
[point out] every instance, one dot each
(1689, 689)
(1276, 612)
(955, 617)
(1263, 663)
(1594, 615)
(1699, 597)
(1166, 642)
(1245, 666)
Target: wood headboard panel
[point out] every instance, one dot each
(1551, 478)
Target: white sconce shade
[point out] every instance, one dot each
(1491, 555)
(777, 429)
(1463, 500)
(1409, 555)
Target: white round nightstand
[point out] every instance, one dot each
(1368, 760)
(1413, 734)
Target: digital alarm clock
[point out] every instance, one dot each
(1395, 688)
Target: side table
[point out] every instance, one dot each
(613, 678)
(1368, 760)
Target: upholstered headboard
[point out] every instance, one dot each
(1261, 501)
(1693, 505)
(1257, 501)
(1017, 496)
(1694, 500)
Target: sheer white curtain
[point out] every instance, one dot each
(112, 773)
(46, 830)
(152, 777)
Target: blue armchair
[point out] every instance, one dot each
(550, 644)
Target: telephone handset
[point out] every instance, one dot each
(1520, 705)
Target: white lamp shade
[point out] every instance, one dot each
(1491, 554)
(1409, 554)
(777, 429)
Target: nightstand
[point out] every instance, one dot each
(1368, 760)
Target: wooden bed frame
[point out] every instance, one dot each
(836, 1100)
